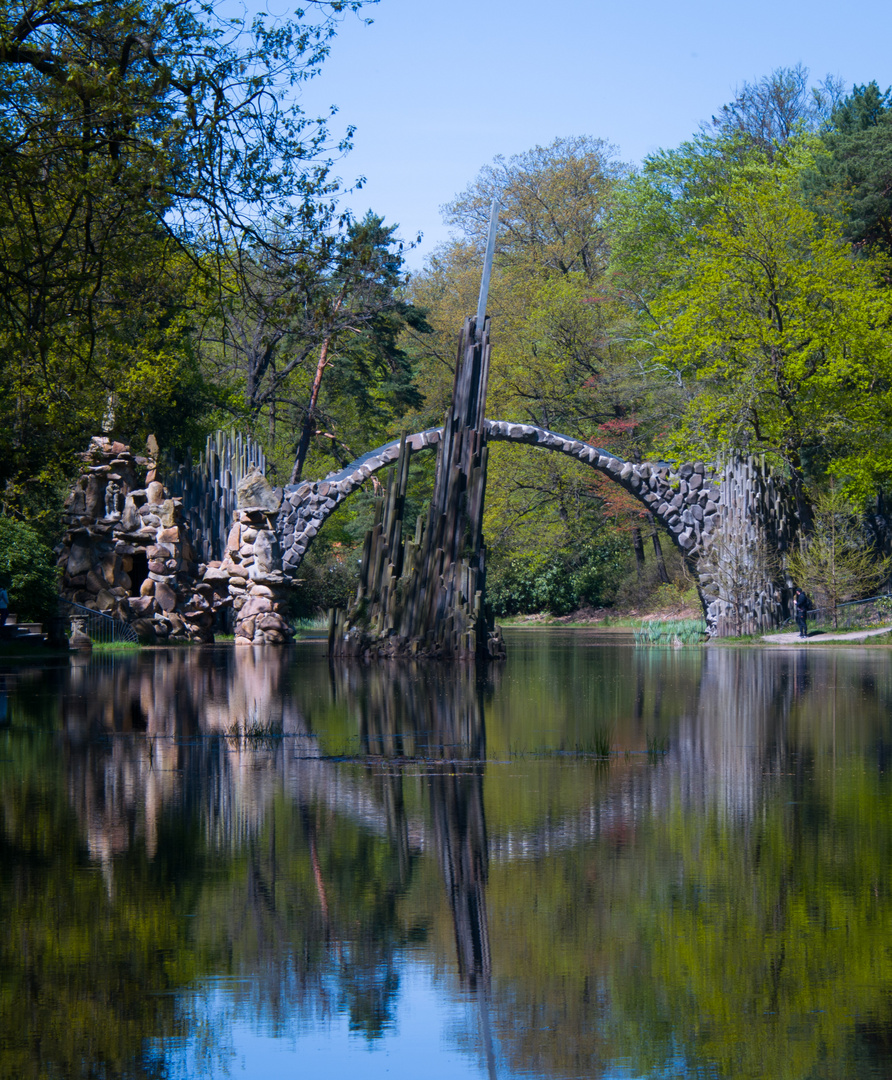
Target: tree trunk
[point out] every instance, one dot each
(309, 424)
(658, 551)
(638, 545)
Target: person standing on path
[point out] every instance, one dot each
(4, 604)
(801, 605)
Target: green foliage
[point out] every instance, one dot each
(142, 146)
(28, 570)
(329, 576)
(836, 563)
(674, 632)
(851, 182)
(759, 313)
(559, 582)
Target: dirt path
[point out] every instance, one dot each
(817, 637)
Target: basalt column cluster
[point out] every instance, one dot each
(424, 596)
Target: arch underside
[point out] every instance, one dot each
(683, 499)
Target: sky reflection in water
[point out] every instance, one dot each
(219, 862)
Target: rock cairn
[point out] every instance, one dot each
(124, 552)
(252, 566)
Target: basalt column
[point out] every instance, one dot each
(424, 596)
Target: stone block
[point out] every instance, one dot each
(105, 600)
(155, 493)
(130, 519)
(696, 481)
(165, 596)
(686, 470)
(168, 579)
(266, 552)
(144, 630)
(80, 558)
(168, 513)
(254, 490)
(255, 605)
(95, 496)
(95, 582)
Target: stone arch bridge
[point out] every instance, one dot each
(684, 500)
(716, 517)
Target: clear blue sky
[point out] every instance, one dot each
(437, 88)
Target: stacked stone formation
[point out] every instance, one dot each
(111, 521)
(118, 530)
(253, 566)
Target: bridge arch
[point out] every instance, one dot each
(684, 499)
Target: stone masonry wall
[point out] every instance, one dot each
(128, 553)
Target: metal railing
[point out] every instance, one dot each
(99, 627)
(851, 615)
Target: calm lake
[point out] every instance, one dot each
(219, 862)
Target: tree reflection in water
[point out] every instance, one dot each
(717, 908)
(434, 714)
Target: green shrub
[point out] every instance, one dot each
(328, 578)
(28, 571)
(559, 582)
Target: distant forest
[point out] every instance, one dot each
(175, 258)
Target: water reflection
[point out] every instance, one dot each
(194, 840)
